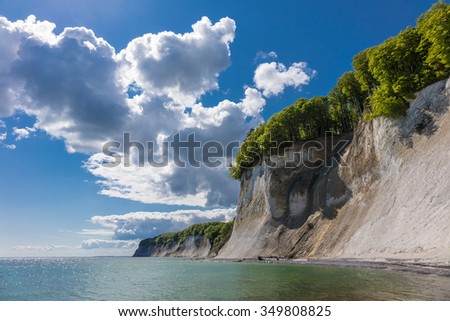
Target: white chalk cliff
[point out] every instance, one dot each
(389, 198)
(193, 246)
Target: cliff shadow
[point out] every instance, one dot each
(423, 115)
(323, 190)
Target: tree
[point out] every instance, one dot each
(386, 77)
(363, 73)
(434, 28)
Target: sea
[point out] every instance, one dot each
(153, 279)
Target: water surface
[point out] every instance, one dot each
(182, 279)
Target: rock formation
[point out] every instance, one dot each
(193, 246)
(388, 198)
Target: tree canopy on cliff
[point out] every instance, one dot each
(217, 233)
(393, 71)
(384, 80)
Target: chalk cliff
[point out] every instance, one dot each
(198, 240)
(386, 197)
(389, 197)
(193, 246)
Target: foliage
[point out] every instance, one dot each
(393, 71)
(346, 103)
(434, 29)
(385, 79)
(217, 233)
(304, 120)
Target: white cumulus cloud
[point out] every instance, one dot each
(80, 90)
(23, 133)
(272, 78)
(253, 102)
(139, 225)
(181, 66)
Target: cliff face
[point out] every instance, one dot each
(277, 199)
(198, 240)
(388, 198)
(193, 246)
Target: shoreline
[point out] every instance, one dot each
(424, 267)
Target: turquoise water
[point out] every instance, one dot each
(182, 279)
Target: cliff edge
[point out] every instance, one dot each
(198, 240)
(388, 196)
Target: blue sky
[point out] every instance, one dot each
(64, 94)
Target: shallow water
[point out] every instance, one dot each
(182, 279)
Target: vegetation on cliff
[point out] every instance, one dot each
(384, 80)
(393, 71)
(217, 233)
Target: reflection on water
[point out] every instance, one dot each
(181, 279)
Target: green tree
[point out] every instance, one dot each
(363, 73)
(434, 27)
(386, 77)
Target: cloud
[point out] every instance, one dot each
(23, 133)
(108, 244)
(143, 184)
(127, 229)
(272, 78)
(181, 66)
(40, 248)
(261, 55)
(80, 90)
(140, 225)
(188, 185)
(12, 34)
(2, 124)
(99, 232)
(253, 103)
(69, 85)
(3, 137)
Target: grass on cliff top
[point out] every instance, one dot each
(217, 233)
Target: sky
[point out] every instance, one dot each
(75, 75)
